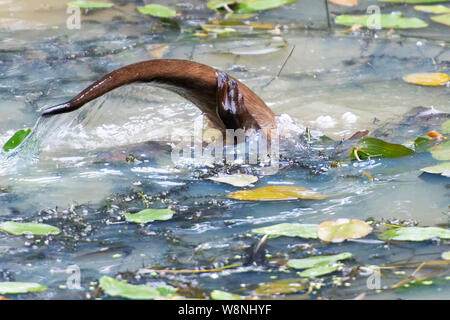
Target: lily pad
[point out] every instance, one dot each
(16, 139)
(442, 151)
(311, 262)
(157, 10)
(260, 5)
(90, 4)
(19, 228)
(387, 21)
(443, 18)
(427, 78)
(20, 287)
(284, 286)
(237, 180)
(437, 9)
(276, 193)
(118, 288)
(308, 231)
(423, 143)
(318, 271)
(415, 234)
(343, 229)
(149, 215)
(373, 147)
(246, 6)
(442, 169)
(223, 295)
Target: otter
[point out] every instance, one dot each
(226, 102)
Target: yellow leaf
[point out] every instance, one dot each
(200, 34)
(276, 193)
(427, 79)
(347, 3)
(435, 135)
(368, 175)
(158, 50)
(342, 229)
(260, 25)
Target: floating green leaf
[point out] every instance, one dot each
(90, 4)
(311, 262)
(443, 18)
(16, 139)
(284, 286)
(422, 144)
(343, 229)
(20, 287)
(442, 168)
(387, 21)
(318, 265)
(441, 151)
(318, 271)
(166, 290)
(437, 9)
(246, 6)
(19, 228)
(118, 288)
(373, 147)
(223, 295)
(157, 10)
(219, 4)
(259, 5)
(149, 215)
(415, 234)
(308, 231)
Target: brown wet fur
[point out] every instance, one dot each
(194, 81)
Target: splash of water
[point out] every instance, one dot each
(49, 132)
(27, 153)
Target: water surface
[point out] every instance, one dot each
(72, 172)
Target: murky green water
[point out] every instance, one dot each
(74, 175)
